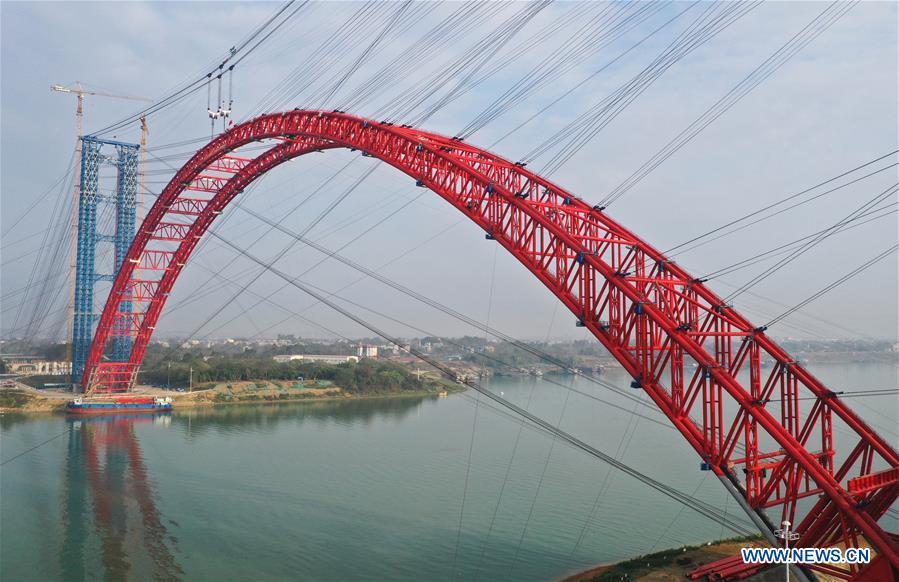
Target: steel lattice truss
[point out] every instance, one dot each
(766, 431)
(89, 201)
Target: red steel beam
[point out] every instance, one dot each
(655, 318)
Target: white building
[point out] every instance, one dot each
(367, 351)
(31, 366)
(322, 358)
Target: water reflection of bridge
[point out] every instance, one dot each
(106, 483)
(112, 526)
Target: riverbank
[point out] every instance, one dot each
(673, 564)
(225, 394)
(29, 400)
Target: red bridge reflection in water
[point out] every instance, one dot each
(105, 476)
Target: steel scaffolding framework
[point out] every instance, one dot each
(124, 204)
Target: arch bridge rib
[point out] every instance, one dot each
(768, 430)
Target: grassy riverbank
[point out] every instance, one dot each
(672, 564)
(23, 400)
(278, 391)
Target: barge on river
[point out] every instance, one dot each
(124, 404)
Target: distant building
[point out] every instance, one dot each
(36, 366)
(367, 351)
(319, 358)
(391, 348)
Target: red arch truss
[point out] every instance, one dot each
(767, 432)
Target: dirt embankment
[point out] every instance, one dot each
(270, 391)
(25, 400)
(671, 565)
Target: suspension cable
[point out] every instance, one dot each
(815, 241)
(701, 507)
(837, 283)
(756, 77)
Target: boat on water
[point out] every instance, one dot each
(122, 404)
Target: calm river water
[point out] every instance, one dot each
(368, 489)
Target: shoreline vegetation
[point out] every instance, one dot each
(232, 360)
(673, 564)
(308, 382)
(28, 401)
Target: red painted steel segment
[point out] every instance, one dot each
(648, 312)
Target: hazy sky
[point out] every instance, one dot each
(831, 108)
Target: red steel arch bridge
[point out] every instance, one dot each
(768, 433)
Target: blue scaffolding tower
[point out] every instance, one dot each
(123, 201)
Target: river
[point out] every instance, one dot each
(363, 489)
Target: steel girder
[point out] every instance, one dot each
(702, 363)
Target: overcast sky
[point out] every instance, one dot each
(829, 109)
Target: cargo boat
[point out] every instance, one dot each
(125, 404)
